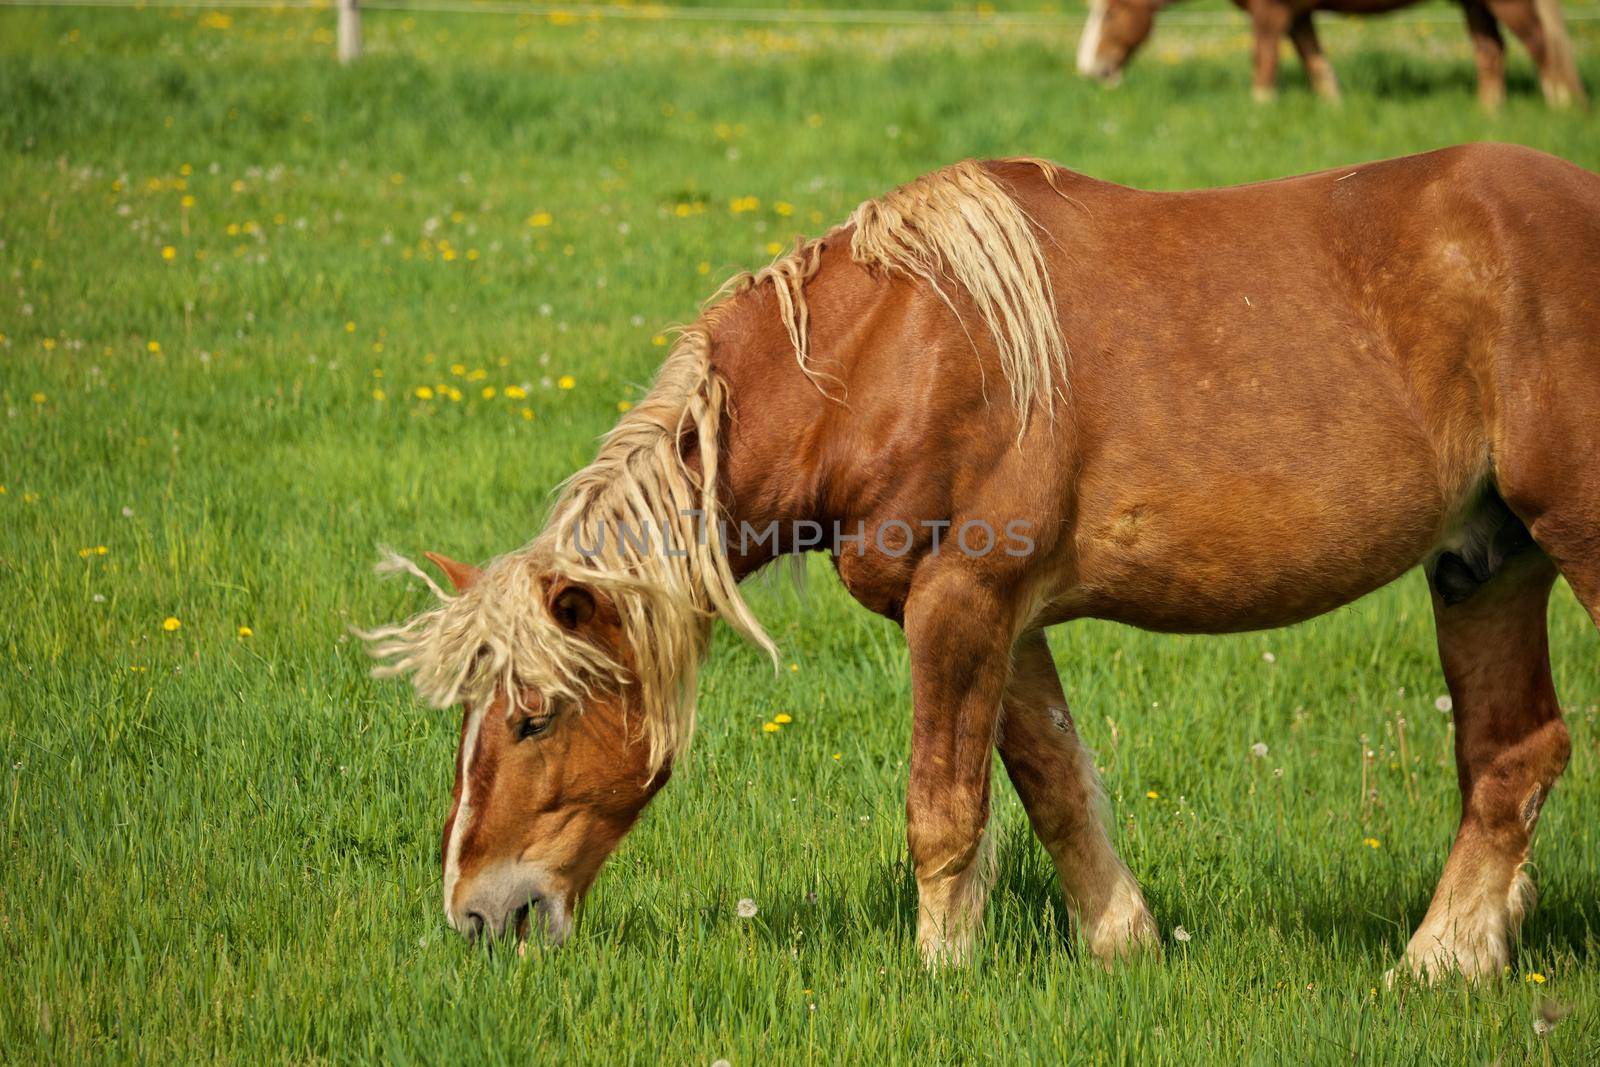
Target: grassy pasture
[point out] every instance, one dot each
(261, 314)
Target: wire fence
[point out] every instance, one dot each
(668, 13)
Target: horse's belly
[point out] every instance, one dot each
(1187, 549)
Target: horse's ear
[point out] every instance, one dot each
(461, 575)
(583, 610)
(571, 604)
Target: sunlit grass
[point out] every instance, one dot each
(262, 314)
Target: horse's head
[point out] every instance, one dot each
(1115, 30)
(547, 782)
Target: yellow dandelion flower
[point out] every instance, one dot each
(704, 267)
(838, 755)
(458, 369)
(245, 631)
(1533, 978)
(794, 668)
(773, 248)
(516, 392)
(770, 727)
(48, 343)
(567, 381)
(171, 624)
(187, 201)
(453, 393)
(527, 414)
(1371, 842)
(169, 253)
(488, 392)
(659, 339)
(38, 398)
(424, 393)
(1153, 795)
(349, 327)
(153, 346)
(813, 121)
(740, 204)
(378, 394)
(783, 208)
(624, 406)
(540, 218)
(782, 719)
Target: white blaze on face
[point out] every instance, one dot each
(1089, 44)
(452, 852)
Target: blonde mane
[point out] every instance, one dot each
(498, 636)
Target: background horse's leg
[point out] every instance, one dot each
(1269, 19)
(960, 632)
(1055, 777)
(1489, 48)
(1547, 44)
(1511, 745)
(1318, 70)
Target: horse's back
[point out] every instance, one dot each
(1286, 393)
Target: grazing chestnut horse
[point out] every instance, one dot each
(1116, 29)
(1005, 396)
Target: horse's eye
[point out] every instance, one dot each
(533, 727)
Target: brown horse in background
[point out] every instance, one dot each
(1006, 396)
(1116, 29)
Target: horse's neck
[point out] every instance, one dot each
(770, 452)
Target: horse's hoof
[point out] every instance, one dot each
(1438, 959)
(1123, 929)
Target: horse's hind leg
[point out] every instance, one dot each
(1055, 777)
(1511, 745)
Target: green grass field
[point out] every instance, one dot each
(261, 314)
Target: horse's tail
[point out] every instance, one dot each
(1562, 84)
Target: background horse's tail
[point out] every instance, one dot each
(1562, 84)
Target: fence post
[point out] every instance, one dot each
(349, 30)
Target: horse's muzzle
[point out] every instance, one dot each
(511, 903)
(1103, 71)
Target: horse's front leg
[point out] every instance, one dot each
(1055, 777)
(959, 629)
(1270, 20)
(1324, 82)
